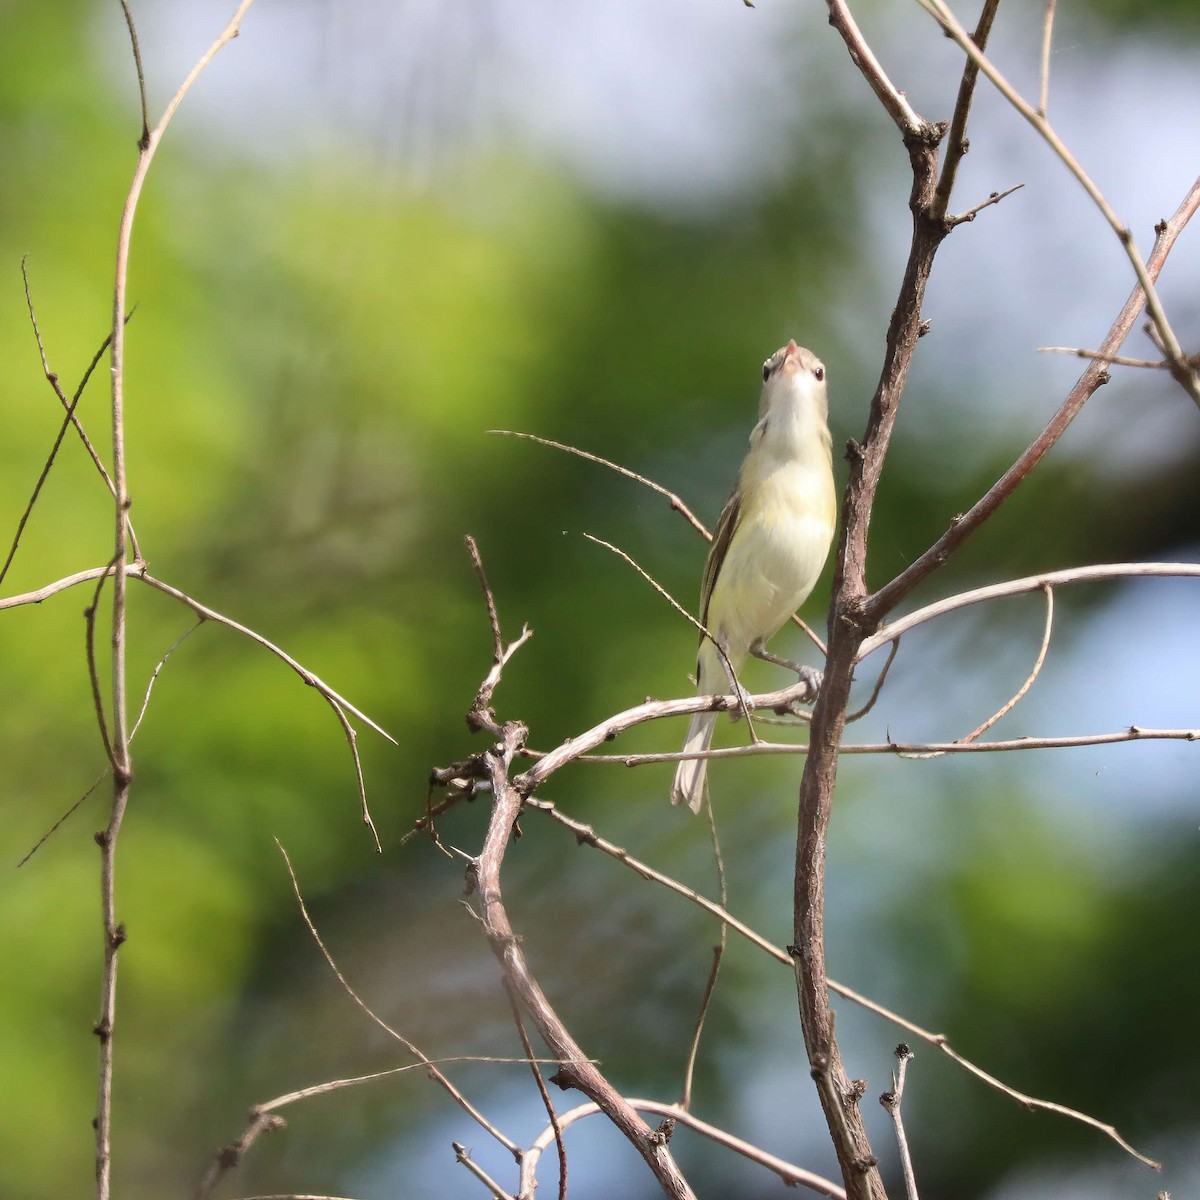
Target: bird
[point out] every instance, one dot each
(771, 542)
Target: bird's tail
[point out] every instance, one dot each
(691, 777)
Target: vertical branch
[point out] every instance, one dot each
(849, 621)
(575, 1068)
(114, 932)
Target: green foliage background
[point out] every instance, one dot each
(319, 350)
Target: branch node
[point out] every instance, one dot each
(662, 1135)
(119, 936)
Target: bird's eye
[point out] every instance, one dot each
(818, 373)
(766, 370)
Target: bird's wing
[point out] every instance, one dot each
(727, 524)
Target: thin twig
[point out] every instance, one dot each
(720, 649)
(575, 1070)
(104, 774)
(875, 691)
(574, 748)
(480, 714)
(231, 1154)
(893, 100)
(162, 662)
(1016, 698)
(964, 218)
(337, 1085)
(877, 606)
(1118, 360)
(942, 14)
(676, 503)
(585, 835)
(1047, 41)
(1133, 733)
(137, 570)
(714, 971)
(63, 819)
(462, 1155)
(114, 934)
(956, 139)
(675, 1115)
(424, 1060)
(68, 420)
(1016, 587)
(141, 77)
(89, 615)
(543, 1091)
(892, 1101)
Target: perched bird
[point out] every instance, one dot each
(771, 543)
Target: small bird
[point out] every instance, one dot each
(772, 539)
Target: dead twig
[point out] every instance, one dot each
(585, 835)
(891, 1101)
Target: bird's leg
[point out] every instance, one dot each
(809, 675)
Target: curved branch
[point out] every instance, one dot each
(575, 1069)
(791, 1175)
(1016, 587)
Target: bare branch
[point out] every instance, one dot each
(231, 1154)
(574, 748)
(141, 77)
(876, 607)
(138, 571)
(1133, 733)
(1119, 360)
(956, 139)
(718, 955)
(461, 1155)
(895, 103)
(69, 419)
(971, 213)
(947, 20)
(424, 1060)
(158, 666)
(870, 704)
(89, 616)
(1047, 41)
(676, 503)
(1016, 698)
(791, 1175)
(585, 835)
(892, 1101)
(480, 715)
(1016, 587)
(662, 591)
(575, 1069)
(114, 934)
(540, 1082)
